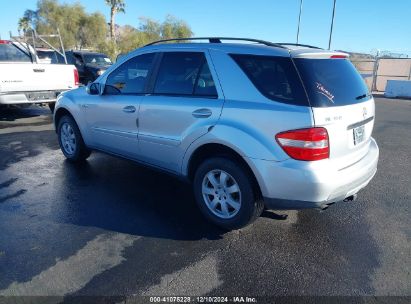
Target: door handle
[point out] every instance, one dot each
(129, 109)
(84, 105)
(202, 113)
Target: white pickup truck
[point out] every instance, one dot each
(23, 81)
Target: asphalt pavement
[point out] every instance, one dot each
(110, 227)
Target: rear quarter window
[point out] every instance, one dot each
(275, 77)
(331, 82)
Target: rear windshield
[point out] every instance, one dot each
(10, 53)
(331, 82)
(275, 77)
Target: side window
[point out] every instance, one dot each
(130, 77)
(184, 73)
(275, 77)
(69, 57)
(205, 84)
(79, 60)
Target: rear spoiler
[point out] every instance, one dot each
(315, 54)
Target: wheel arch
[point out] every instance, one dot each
(209, 150)
(59, 113)
(62, 111)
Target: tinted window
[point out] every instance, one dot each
(332, 82)
(53, 56)
(44, 54)
(9, 52)
(70, 58)
(205, 84)
(78, 59)
(97, 59)
(178, 73)
(131, 76)
(275, 77)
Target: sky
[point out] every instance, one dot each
(359, 26)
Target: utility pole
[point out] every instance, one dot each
(332, 24)
(299, 20)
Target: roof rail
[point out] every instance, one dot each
(298, 44)
(218, 40)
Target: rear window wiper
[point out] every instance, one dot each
(362, 96)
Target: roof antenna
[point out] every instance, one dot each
(299, 20)
(331, 28)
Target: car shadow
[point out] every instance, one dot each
(273, 215)
(122, 196)
(119, 195)
(13, 113)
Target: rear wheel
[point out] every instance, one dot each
(70, 140)
(225, 195)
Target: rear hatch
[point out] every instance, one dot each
(340, 103)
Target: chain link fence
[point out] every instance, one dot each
(377, 71)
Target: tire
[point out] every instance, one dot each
(52, 105)
(70, 140)
(224, 169)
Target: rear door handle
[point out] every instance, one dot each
(129, 109)
(202, 113)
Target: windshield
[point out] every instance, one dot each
(98, 59)
(332, 82)
(10, 53)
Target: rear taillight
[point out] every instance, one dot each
(76, 77)
(305, 144)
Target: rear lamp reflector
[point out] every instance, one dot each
(305, 144)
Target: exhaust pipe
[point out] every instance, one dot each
(326, 206)
(351, 198)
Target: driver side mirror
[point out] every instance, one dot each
(93, 88)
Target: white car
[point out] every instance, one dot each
(23, 81)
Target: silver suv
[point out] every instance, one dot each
(251, 124)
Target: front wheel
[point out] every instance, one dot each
(70, 140)
(225, 195)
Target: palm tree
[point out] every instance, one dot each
(28, 21)
(23, 24)
(116, 6)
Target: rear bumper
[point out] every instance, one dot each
(15, 98)
(297, 185)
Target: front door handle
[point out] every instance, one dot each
(129, 109)
(202, 113)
